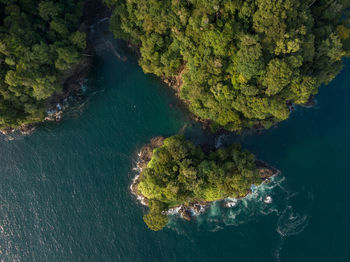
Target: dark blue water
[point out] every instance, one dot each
(64, 190)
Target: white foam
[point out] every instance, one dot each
(231, 202)
(174, 210)
(268, 200)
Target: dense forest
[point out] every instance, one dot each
(39, 41)
(181, 173)
(242, 62)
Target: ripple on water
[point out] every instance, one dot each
(290, 220)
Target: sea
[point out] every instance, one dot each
(64, 189)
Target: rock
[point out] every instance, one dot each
(145, 154)
(27, 129)
(157, 141)
(58, 116)
(265, 171)
(310, 103)
(185, 213)
(141, 165)
(267, 180)
(6, 131)
(197, 208)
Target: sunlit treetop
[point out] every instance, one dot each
(242, 61)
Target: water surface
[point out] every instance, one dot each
(64, 190)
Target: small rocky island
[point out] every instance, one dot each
(177, 176)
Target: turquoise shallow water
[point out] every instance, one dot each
(64, 190)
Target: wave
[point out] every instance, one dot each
(294, 218)
(290, 212)
(234, 212)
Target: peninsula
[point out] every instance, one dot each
(238, 63)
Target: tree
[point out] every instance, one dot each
(48, 10)
(39, 40)
(278, 76)
(155, 221)
(180, 173)
(241, 62)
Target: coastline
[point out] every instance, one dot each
(188, 212)
(175, 83)
(73, 78)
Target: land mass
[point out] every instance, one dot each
(45, 54)
(239, 64)
(175, 175)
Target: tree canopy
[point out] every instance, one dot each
(39, 40)
(181, 173)
(243, 61)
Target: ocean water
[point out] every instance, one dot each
(64, 190)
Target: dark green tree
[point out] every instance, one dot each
(181, 173)
(242, 62)
(39, 40)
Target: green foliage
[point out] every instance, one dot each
(155, 219)
(180, 173)
(38, 41)
(245, 61)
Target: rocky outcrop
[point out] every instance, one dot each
(190, 210)
(145, 154)
(266, 171)
(185, 213)
(176, 81)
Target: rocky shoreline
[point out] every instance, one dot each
(175, 83)
(73, 78)
(144, 156)
(188, 212)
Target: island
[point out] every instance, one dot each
(238, 64)
(177, 175)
